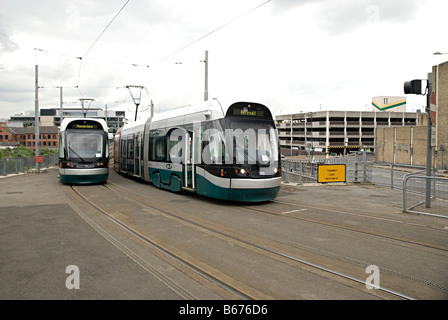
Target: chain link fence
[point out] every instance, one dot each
(25, 164)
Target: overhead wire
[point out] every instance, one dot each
(96, 40)
(143, 65)
(209, 33)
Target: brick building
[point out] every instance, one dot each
(12, 137)
(440, 105)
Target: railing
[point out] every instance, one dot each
(415, 199)
(358, 168)
(24, 164)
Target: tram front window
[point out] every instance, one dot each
(85, 146)
(254, 142)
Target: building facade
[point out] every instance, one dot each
(439, 106)
(52, 117)
(336, 132)
(389, 104)
(409, 146)
(26, 136)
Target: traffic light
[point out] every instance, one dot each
(413, 86)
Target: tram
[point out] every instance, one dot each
(223, 151)
(83, 151)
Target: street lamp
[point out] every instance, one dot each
(438, 53)
(206, 76)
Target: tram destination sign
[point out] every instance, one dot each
(327, 173)
(83, 124)
(244, 111)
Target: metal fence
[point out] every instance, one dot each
(358, 168)
(24, 164)
(416, 200)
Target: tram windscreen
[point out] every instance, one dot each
(254, 142)
(85, 146)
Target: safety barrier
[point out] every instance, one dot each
(425, 195)
(358, 168)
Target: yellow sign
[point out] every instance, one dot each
(331, 173)
(84, 126)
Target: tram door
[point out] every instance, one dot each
(188, 160)
(137, 144)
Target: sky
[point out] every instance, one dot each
(291, 55)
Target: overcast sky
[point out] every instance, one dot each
(292, 55)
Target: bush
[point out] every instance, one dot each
(22, 151)
(47, 151)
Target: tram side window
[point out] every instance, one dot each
(123, 153)
(174, 147)
(61, 145)
(130, 149)
(158, 152)
(213, 147)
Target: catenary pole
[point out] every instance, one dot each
(36, 117)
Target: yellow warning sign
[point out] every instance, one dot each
(331, 173)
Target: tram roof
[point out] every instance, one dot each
(66, 121)
(204, 111)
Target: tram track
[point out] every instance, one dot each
(396, 239)
(263, 247)
(236, 292)
(394, 273)
(362, 215)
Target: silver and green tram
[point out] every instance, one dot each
(83, 151)
(229, 152)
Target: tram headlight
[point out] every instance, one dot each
(241, 172)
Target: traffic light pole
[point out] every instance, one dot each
(428, 146)
(414, 87)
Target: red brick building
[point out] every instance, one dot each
(48, 137)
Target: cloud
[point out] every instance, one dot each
(288, 52)
(7, 45)
(341, 16)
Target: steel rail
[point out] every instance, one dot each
(272, 251)
(186, 264)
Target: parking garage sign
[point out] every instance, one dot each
(331, 173)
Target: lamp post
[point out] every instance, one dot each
(36, 116)
(206, 76)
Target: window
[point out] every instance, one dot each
(175, 147)
(158, 150)
(130, 148)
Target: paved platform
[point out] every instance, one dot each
(41, 235)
